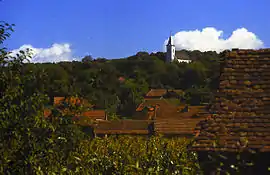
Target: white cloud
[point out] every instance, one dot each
(210, 39)
(56, 53)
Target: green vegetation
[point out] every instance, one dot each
(135, 155)
(97, 80)
(29, 144)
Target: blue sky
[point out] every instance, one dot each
(120, 28)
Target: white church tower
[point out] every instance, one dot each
(170, 55)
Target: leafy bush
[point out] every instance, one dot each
(135, 155)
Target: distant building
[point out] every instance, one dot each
(172, 54)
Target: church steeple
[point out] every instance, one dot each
(170, 41)
(170, 55)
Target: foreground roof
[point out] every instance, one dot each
(241, 119)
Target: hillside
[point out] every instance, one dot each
(119, 85)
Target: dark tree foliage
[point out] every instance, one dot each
(87, 59)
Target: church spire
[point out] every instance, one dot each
(170, 41)
(170, 55)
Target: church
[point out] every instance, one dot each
(172, 54)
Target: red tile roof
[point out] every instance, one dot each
(140, 107)
(167, 121)
(149, 102)
(74, 100)
(185, 127)
(58, 100)
(95, 114)
(167, 110)
(47, 113)
(122, 127)
(242, 109)
(156, 93)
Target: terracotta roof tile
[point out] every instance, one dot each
(167, 121)
(241, 117)
(176, 126)
(167, 110)
(156, 93)
(122, 127)
(95, 114)
(140, 107)
(58, 100)
(47, 113)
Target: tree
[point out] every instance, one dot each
(87, 59)
(160, 55)
(132, 92)
(30, 144)
(20, 118)
(101, 60)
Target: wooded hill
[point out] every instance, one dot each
(118, 85)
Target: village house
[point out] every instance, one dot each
(168, 115)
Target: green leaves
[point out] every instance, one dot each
(137, 155)
(29, 143)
